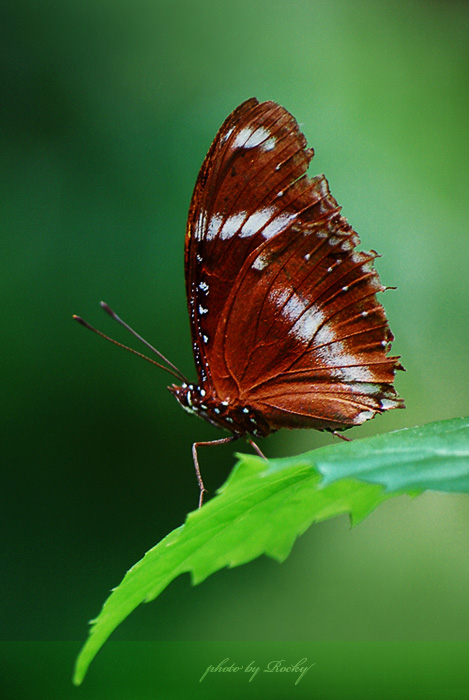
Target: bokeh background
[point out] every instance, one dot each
(108, 109)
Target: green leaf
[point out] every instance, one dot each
(264, 506)
(434, 456)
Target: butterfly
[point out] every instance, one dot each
(286, 328)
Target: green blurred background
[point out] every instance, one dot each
(108, 109)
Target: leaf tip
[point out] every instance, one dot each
(78, 676)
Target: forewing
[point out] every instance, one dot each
(242, 195)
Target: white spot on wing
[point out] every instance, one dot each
(367, 266)
(346, 244)
(260, 263)
(279, 297)
(238, 224)
(306, 319)
(269, 144)
(344, 365)
(232, 225)
(323, 188)
(324, 335)
(308, 323)
(365, 415)
(227, 135)
(369, 389)
(278, 224)
(255, 222)
(250, 138)
(200, 225)
(213, 226)
(387, 403)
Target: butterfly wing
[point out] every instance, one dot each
(283, 308)
(317, 352)
(233, 197)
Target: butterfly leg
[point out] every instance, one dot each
(256, 448)
(342, 437)
(221, 441)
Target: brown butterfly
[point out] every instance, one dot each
(286, 328)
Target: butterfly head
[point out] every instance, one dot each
(230, 415)
(190, 396)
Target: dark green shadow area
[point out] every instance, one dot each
(141, 670)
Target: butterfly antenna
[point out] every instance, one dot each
(175, 373)
(117, 318)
